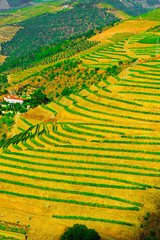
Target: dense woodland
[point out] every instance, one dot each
(50, 53)
(51, 28)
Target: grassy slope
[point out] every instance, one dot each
(8, 32)
(120, 32)
(151, 16)
(114, 11)
(28, 12)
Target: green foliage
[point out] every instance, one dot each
(154, 29)
(80, 232)
(38, 98)
(114, 99)
(5, 121)
(12, 228)
(150, 226)
(150, 39)
(104, 156)
(49, 109)
(151, 15)
(69, 129)
(27, 122)
(54, 27)
(66, 91)
(83, 168)
(49, 54)
(93, 219)
(3, 79)
(103, 113)
(2, 237)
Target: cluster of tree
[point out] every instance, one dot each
(3, 78)
(66, 77)
(17, 107)
(68, 47)
(80, 232)
(6, 122)
(3, 81)
(37, 98)
(115, 69)
(51, 28)
(154, 29)
(150, 226)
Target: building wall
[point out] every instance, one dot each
(13, 101)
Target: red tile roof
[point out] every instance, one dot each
(14, 98)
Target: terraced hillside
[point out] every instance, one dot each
(91, 157)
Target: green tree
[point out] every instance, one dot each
(80, 232)
(150, 226)
(66, 91)
(38, 98)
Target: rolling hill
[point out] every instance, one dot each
(130, 7)
(90, 155)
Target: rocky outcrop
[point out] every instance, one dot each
(4, 5)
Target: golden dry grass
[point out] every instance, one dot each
(129, 26)
(111, 139)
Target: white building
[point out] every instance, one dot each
(66, 6)
(13, 99)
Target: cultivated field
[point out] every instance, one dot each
(93, 156)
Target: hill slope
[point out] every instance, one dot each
(91, 155)
(131, 7)
(88, 157)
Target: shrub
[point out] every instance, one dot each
(80, 232)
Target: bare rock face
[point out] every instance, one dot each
(4, 5)
(148, 3)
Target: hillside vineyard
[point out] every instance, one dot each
(92, 154)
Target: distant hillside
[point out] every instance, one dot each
(50, 28)
(16, 3)
(131, 7)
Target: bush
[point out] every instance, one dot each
(80, 232)
(150, 229)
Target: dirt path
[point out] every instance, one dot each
(15, 126)
(107, 238)
(127, 69)
(126, 73)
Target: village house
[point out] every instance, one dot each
(13, 99)
(66, 6)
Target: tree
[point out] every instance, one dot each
(150, 226)
(80, 232)
(66, 91)
(38, 98)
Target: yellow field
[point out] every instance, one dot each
(93, 156)
(96, 163)
(129, 26)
